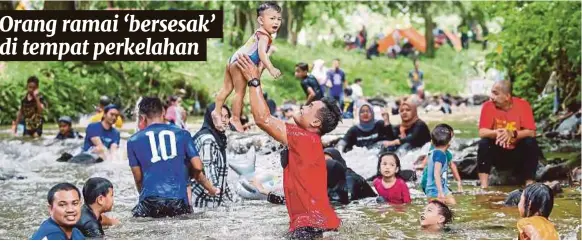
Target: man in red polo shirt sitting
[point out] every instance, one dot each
(508, 131)
(305, 174)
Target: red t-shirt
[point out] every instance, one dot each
(397, 194)
(305, 182)
(519, 117)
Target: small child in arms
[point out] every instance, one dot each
(436, 216)
(436, 167)
(388, 184)
(257, 47)
(535, 207)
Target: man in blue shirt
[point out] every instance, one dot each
(64, 203)
(160, 157)
(102, 138)
(337, 77)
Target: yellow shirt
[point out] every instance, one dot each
(97, 118)
(544, 229)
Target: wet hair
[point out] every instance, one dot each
(302, 66)
(95, 187)
(450, 128)
(151, 107)
(329, 115)
(65, 186)
(539, 198)
(443, 210)
(268, 5)
(441, 135)
(358, 80)
(393, 155)
(32, 79)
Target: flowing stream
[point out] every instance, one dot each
(30, 169)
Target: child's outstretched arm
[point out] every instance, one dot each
(456, 175)
(263, 42)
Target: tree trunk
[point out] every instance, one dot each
(429, 26)
(6, 6)
(59, 5)
(221, 4)
(283, 31)
(290, 22)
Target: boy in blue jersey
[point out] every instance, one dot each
(101, 137)
(160, 156)
(64, 203)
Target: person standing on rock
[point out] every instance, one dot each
(305, 174)
(507, 130)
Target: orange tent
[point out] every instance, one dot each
(455, 40)
(415, 38)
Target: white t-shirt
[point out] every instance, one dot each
(357, 91)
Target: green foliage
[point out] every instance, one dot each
(538, 38)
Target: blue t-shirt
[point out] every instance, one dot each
(50, 230)
(417, 78)
(434, 157)
(107, 137)
(162, 151)
(337, 80)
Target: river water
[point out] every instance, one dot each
(34, 169)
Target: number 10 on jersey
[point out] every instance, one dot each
(162, 147)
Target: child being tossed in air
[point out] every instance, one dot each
(257, 47)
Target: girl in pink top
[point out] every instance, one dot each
(388, 183)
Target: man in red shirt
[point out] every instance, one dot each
(305, 174)
(508, 131)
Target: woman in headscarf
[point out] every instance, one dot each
(368, 132)
(356, 185)
(210, 141)
(412, 132)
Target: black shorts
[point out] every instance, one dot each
(158, 207)
(38, 132)
(306, 233)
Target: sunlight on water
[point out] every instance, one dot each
(31, 170)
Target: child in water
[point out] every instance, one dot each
(436, 168)
(535, 207)
(388, 184)
(435, 216)
(257, 47)
(451, 164)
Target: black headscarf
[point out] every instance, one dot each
(335, 154)
(209, 128)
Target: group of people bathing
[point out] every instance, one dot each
(159, 155)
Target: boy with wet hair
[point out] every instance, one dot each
(64, 204)
(98, 196)
(66, 130)
(436, 216)
(437, 166)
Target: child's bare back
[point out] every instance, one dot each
(256, 48)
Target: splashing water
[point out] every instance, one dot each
(23, 202)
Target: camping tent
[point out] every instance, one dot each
(414, 37)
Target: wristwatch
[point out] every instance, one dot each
(514, 134)
(254, 83)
